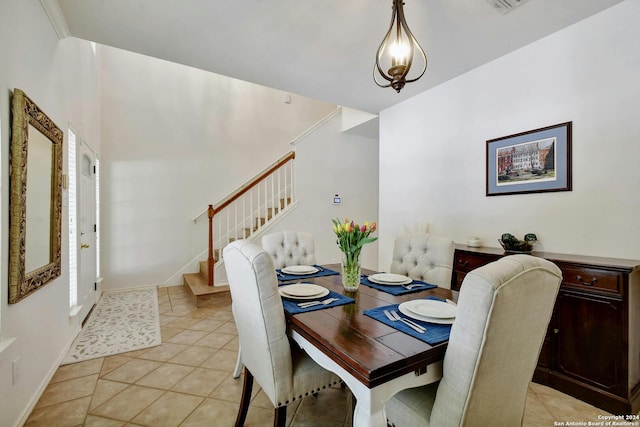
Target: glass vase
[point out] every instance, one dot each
(350, 272)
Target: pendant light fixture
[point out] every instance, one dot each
(397, 52)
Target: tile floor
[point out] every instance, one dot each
(187, 381)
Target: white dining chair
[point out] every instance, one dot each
(503, 312)
(290, 248)
(424, 256)
(284, 371)
(286, 248)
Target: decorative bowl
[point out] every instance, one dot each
(517, 246)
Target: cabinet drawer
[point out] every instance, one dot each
(586, 278)
(465, 263)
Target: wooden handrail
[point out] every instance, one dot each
(233, 197)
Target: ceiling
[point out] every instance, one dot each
(323, 49)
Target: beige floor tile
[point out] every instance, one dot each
(164, 319)
(113, 362)
(132, 371)
(187, 337)
(65, 414)
(165, 376)
(212, 412)
(167, 332)
(228, 328)
(330, 407)
(163, 352)
(208, 325)
(104, 391)
(64, 391)
(231, 389)
(137, 353)
(193, 356)
(195, 380)
(232, 345)
(182, 309)
(76, 370)
(222, 360)
(260, 417)
(202, 312)
(93, 421)
(215, 340)
(222, 315)
(200, 382)
(165, 308)
(183, 322)
(169, 410)
(127, 404)
(567, 408)
(535, 413)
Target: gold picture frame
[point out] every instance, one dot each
(35, 200)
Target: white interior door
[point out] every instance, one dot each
(87, 233)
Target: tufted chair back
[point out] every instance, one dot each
(290, 248)
(285, 372)
(423, 256)
(259, 316)
(503, 312)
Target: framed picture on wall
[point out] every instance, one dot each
(535, 161)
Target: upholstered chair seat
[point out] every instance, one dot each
(285, 372)
(503, 312)
(290, 248)
(424, 256)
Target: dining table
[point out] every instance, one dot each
(373, 359)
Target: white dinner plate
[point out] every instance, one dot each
(303, 291)
(404, 310)
(432, 308)
(300, 269)
(390, 279)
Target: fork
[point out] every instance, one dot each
(312, 303)
(394, 317)
(411, 286)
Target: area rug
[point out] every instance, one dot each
(122, 321)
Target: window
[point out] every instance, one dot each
(97, 166)
(73, 229)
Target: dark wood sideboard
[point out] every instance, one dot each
(592, 347)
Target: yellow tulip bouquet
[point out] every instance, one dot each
(351, 238)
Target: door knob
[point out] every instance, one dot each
(84, 246)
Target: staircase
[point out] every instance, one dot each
(245, 214)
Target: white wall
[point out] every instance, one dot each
(62, 78)
(432, 146)
(175, 139)
(330, 162)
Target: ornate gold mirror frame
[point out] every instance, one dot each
(35, 198)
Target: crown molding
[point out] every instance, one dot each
(52, 8)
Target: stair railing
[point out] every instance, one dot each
(251, 207)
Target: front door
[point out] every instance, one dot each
(87, 220)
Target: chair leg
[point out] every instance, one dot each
(247, 387)
(280, 416)
(238, 368)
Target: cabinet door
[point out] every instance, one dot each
(590, 339)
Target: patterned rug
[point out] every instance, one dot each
(122, 321)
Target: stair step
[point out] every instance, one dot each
(205, 295)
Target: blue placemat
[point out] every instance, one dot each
(396, 289)
(435, 334)
(283, 277)
(291, 306)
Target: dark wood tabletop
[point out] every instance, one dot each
(369, 350)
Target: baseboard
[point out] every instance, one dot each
(45, 382)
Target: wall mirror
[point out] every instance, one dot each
(35, 199)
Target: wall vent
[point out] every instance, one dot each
(504, 6)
